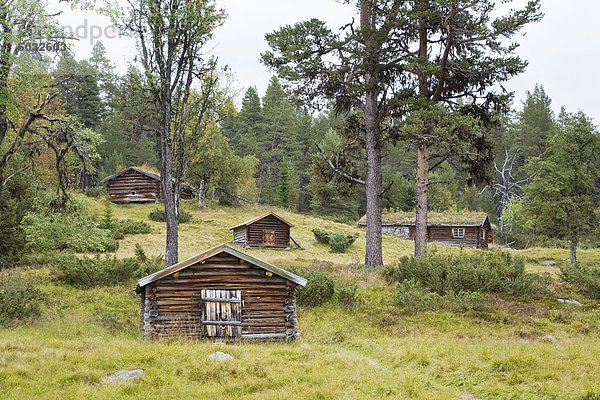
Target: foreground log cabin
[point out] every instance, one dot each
(468, 229)
(267, 230)
(221, 293)
(134, 185)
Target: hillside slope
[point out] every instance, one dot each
(372, 349)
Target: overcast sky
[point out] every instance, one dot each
(563, 50)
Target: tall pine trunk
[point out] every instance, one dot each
(422, 152)
(422, 197)
(373, 183)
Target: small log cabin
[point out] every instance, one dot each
(134, 185)
(468, 229)
(267, 230)
(220, 293)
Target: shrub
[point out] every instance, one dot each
(411, 294)
(121, 228)
(50, 230)
(19, 300)
(101, 271)
(319, 289)
(339, 242)
(159, 215)
(583, 276)
(345, 294)
(486, 272)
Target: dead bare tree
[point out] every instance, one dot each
(507, 186)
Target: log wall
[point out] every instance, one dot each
(443, 234)
(256, 231)
(172, 306)
(121, 187)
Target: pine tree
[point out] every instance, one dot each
(560, 199)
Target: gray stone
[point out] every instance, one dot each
(220, 356)
(570, 301)
(125, 375)
(550, 339)
(549, 263)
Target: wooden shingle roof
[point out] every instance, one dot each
(255, 219)
(223, 248)
(136, 169)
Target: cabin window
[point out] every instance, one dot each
(458, 233)
(133, 193)
(269, 236)
(221, 313)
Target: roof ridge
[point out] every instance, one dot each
(214, 251)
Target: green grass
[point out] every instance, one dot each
(371, 351)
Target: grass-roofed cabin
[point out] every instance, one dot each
(469, 229)
(134, 185)
(267, 230)
(221, 293)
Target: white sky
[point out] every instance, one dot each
(562, 50)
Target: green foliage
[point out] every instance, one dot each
(319, 289)
(48, 229)
(102, 271)
(559, 202)
(19, 300)
(339, 242)
(15, 201)
(583, 276)
(121, 228)
(159, 215)
(485, 272)
(413, 296)
(345, 294)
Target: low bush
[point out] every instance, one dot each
(159, 215)
(339, 242)
(19, 300)
(102, 271)
(583, 276)
(318, 291)
(412, 295)
(485, 272)
(49, 230)
(121, 228)
(345, 294)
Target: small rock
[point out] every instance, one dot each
(550, 339)
(220, 356)
(125, 375)
(570, 301)
(523, 340)
(549, 263)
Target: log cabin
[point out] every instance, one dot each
(267, 230)
(220, 293)
(134, 185)
(468, 229)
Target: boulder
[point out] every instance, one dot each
(125, 375)
(570, 301)
(220, 356)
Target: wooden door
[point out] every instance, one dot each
(221, 313)
(269, 236)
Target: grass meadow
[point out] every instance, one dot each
(371, 350)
